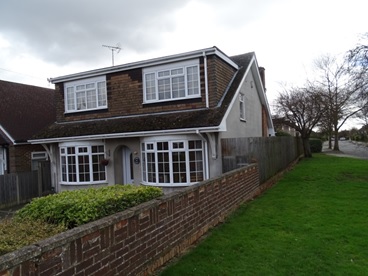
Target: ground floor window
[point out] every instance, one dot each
(81, 164)
(173, 162)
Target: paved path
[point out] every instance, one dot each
(348, 149)
(9, 212)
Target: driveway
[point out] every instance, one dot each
(348, 149)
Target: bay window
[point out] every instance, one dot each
(81, 164)
(173, 162)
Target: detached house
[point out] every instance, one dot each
(24, 111)
(156, 122)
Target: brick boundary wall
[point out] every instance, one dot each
(142, 239)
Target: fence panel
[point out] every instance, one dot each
(8, 189)
(28, 186)
(273, 154)
(19, 188)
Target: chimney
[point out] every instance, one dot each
(263, 78)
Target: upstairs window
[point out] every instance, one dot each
(87, 94)
(171, 82)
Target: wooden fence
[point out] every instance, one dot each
(19, 188)
(273, 154)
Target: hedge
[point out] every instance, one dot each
(315, 145)
(74, 208)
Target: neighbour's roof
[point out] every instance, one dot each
(24, 111)
(198, 118)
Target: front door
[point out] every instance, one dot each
(128, 176)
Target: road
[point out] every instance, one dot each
(349, 149)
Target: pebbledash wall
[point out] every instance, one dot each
(140, 240)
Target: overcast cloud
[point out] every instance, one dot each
(40, 39)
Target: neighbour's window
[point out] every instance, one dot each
(37, 158)
(242, 107)
(81, 164)
(171, 82)
(172, 163)
(83, 95)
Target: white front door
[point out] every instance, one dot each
(128, 176)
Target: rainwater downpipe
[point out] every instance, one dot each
(207, 173)
(206, 79)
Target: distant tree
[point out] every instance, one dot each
(341, 93)
(302, 109)
(357, 60)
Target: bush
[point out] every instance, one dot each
(315, 145)
(74, 208)
(282, 133)
(17, 234)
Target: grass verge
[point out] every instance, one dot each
(313, 222)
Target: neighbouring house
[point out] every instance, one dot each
(282, 127)
(24, 111)
(156, 122)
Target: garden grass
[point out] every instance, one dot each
(314, 221)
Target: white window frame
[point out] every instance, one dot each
(152, 77)
(79, 152)
(92, 88)
(242, 107)
(157, 176)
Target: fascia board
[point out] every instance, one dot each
(223, 122)
(3, 130)
(145, 63)
(125, 135)
(261, 93)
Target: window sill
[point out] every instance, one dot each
(172, 100)
(82, 183)
(86, 111)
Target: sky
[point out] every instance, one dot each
(43, 39)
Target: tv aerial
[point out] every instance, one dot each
(113, 49)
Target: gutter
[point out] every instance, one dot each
(124, 135)
(145, 63)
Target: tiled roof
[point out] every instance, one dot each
(152, 122)
(25, 109)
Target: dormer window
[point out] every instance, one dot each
(87, 94)
(174, 81)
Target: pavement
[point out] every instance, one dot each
(348, 148)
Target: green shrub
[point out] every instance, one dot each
(315, 145)
(282, 133)
(16, 234)
(74, 208)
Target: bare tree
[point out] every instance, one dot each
(341, 93)
(302, 109)
(357, 60)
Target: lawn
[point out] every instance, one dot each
(312, 222)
